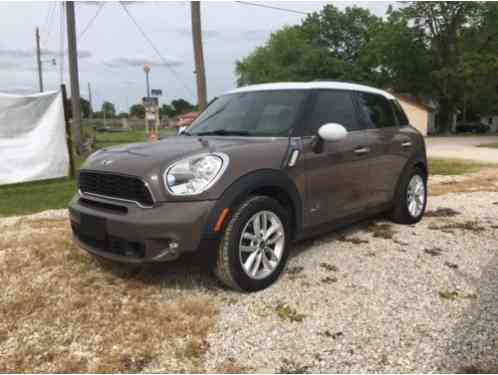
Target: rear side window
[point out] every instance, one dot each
(376, 110)
(332, 106)
(400, 114)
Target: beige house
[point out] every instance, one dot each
(421, 115)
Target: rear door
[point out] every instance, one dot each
(389, 149)
(335, 171)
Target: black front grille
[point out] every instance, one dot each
(115, 186)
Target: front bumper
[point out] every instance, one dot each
(124, 232)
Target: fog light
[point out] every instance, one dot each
(173, 245)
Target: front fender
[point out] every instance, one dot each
(245, 185)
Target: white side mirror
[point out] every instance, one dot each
(332, 132)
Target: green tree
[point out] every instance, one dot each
(442, 27)
(181, 106)
(109, 109)
(137, 110)
(167, 110)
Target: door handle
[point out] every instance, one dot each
(406, 144)
(361, 150)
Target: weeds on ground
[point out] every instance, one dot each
(454, 295)
(436, 251)
(381, 231)
(329, 280)
(472, 226)
(353, 240)
(329, 267)
(285, 312)
(442, 212)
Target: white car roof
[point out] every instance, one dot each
(333, 85)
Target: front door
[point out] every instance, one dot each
(336, 172)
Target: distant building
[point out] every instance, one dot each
(422, 114)
(491, 120)
(186, 119)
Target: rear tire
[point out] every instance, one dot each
(255, 245)
(411, 197)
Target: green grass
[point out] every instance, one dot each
(113, 139)
(447, 167)
(36, 196)
(489, 145)
(28, 198)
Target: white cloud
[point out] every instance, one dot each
(139, 60)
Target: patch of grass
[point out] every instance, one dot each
(442, 212)
(448, 167)
(77, 317)
(489, 145)
(285, 312)
(28, 198)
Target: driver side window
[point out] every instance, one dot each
(332, 106)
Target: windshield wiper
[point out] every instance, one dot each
(224, 132)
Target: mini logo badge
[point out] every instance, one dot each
(107, 161)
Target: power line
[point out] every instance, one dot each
(91, 21)
(49, 23)
(272, 7)
(166, 63)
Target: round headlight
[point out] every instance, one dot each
(196, 174)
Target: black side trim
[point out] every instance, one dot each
(245, 185)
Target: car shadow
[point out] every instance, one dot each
(473, 346)
(194, 271)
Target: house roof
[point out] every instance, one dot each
(334, 85)
(416, 101)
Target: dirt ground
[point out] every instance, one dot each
(374, 297)
(463, 147)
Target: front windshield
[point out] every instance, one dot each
(256, 114)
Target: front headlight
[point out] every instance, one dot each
(196, 174)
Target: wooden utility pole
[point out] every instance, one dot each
(90, 100)
(73, 75)
(38, 59)
(68, 132)
(195, 8)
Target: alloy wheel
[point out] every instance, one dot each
(261, 244)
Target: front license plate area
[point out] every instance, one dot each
(93, 227)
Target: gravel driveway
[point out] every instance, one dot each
(376, 297)
(458, 147)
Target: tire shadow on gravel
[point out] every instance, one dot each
(473, 345)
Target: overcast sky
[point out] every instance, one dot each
(112, 51)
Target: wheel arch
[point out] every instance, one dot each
(268, 182)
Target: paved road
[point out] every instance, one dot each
(463, 148)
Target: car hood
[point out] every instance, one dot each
(149, 160)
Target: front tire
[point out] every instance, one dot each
(411, 197)
(255, 245)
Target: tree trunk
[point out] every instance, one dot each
(445, 116)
